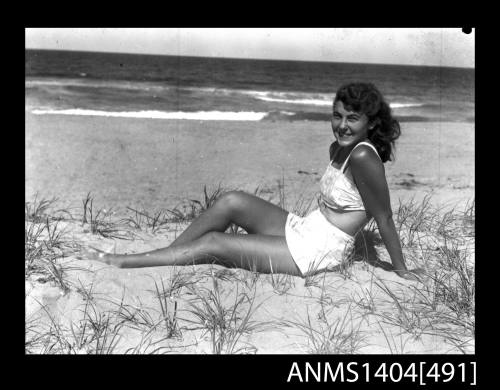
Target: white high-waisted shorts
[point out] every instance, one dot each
(314, 243)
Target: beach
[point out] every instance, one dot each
(123, 151)
(153, 165)
(160, 163)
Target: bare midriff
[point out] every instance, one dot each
(349, 222)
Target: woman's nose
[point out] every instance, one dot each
(343, 123)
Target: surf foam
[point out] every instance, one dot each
(198, 115)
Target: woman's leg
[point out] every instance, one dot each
(256, 252)
(252, 213)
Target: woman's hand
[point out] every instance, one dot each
(415, 274)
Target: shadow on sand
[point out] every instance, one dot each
(364, 249)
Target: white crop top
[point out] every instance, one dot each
(338, 190)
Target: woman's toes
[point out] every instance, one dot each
(90, 254)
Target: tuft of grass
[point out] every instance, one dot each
(188, 213)
(412, 218)
(33, 247)
(281, 283)
(44, 245)
(156, 221)
(167, 296)
(140, 219)
(99, 220)
(408, 316)
(37, 211)
(225, 324)
(134, 317)
(137, 220)
(423, 220)
(442, 306)
(57, 273)
(325, 336)
(208, 200)
(85, 202)
(442, 241)
(469, 218)
(302, 206)
(95, 333)
(225, 274)
(366, 300)
(33, 338)
(249, 276)
(450, 290)
(451, 299)
(191, 209)
(168, 307)
(314, 279)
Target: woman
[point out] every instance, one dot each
(352, 191)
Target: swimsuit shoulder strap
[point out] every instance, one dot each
(361, 143)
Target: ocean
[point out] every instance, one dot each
(199, 88)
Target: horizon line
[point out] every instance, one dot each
(247, 58)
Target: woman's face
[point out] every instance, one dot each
(349, 127)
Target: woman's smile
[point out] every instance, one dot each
(344, 133)
(349, 127)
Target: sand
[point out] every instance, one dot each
(158, 164)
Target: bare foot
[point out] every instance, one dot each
(91, 253)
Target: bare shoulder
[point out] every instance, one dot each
(364, 157)
(364, 153)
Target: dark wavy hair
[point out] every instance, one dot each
(366, 98)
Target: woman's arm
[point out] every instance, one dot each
(369, 174)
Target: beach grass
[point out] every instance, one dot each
(142, 219)
(45, 246)
(226, 316)
(328, 334)
(100, 220)
(226, 306)
(168, 309)
(96, 332)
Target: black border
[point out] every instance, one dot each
(182, 370)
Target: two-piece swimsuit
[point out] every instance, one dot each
(314, 243)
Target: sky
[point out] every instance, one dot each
(404, 46)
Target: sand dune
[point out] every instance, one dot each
(154, 165)
(204, 309)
